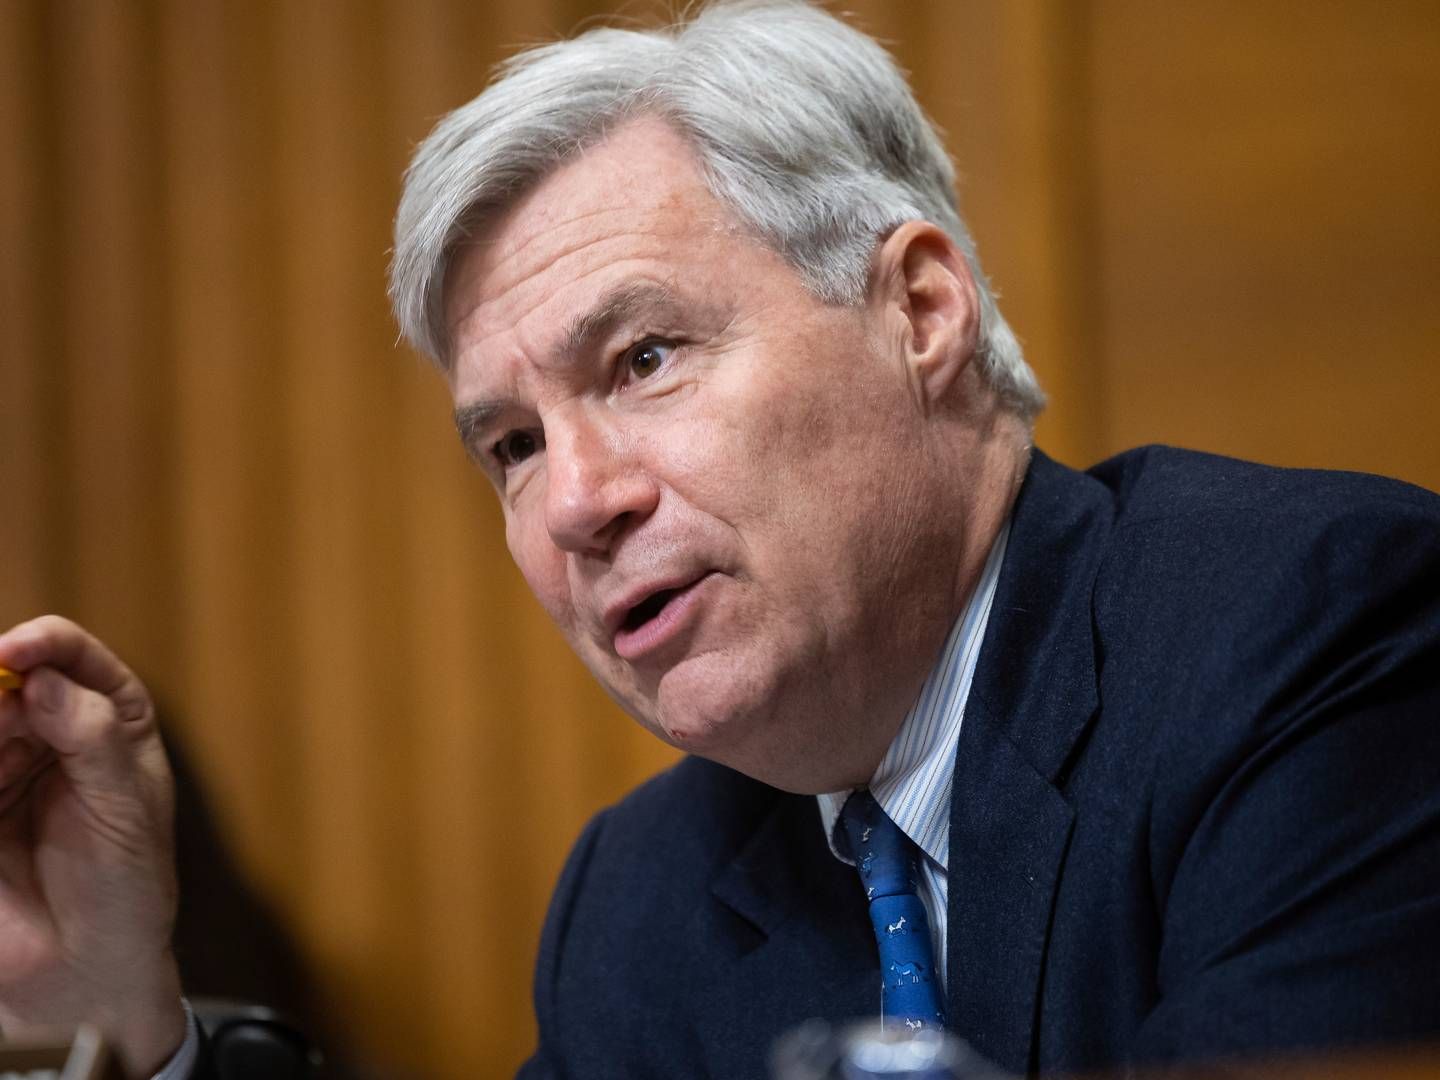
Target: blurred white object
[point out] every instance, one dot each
(866, 1051)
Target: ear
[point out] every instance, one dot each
(930, 307)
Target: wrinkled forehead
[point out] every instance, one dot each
(637, 195)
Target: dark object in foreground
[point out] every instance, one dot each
(248, 1041)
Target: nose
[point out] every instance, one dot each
(595, 488)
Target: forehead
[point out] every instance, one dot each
(634, 205)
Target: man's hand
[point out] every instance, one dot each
(87, 876)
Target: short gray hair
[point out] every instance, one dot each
(803, 126)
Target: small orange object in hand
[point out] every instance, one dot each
(10, 680)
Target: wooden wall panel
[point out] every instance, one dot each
(114, 394)
(235, 575)
(1268, 183)
(29, 524)
(336, 476)
(440, 511)
(1210, 225)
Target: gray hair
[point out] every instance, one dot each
(803, 126)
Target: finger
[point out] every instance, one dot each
(32, 765)
(54, 641)
(84, 729)
(12, 716)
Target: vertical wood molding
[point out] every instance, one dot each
(234, 652)
(27, 376)
(117, 409)
(322, 395)
(1074, 367)
(1267, 194)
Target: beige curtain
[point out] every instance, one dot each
(1211, 224)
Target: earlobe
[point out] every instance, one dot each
(929, 293)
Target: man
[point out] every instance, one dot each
(1158, 740)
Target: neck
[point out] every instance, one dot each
(979, 476)
(993, 470)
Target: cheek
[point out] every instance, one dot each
(735, 452)
(542, 565)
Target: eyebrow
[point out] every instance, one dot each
(472, 420)
(582, 333)
(618, 306)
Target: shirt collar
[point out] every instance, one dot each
(913, 783)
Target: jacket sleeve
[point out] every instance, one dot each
(548, 1061)
(1300, 899)
(1307, 908)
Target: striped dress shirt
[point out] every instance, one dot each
(912, 784)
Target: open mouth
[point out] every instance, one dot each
(648, 609)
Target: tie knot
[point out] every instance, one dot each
(884, 855)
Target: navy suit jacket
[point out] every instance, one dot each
(1196, 808)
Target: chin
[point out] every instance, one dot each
(696, 730)
(725, 724)
(707, 709)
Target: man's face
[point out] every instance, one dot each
(709, 478)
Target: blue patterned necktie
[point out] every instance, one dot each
(887, 860)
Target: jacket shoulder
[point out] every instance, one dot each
(1203, 542)
(1257, 786)
(1160, 483)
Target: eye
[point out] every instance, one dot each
(647, 357)
(516, 446)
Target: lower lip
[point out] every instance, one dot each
(663, 628)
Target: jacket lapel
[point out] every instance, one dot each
(797, 941)
(1033, 696)
(800, 945)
